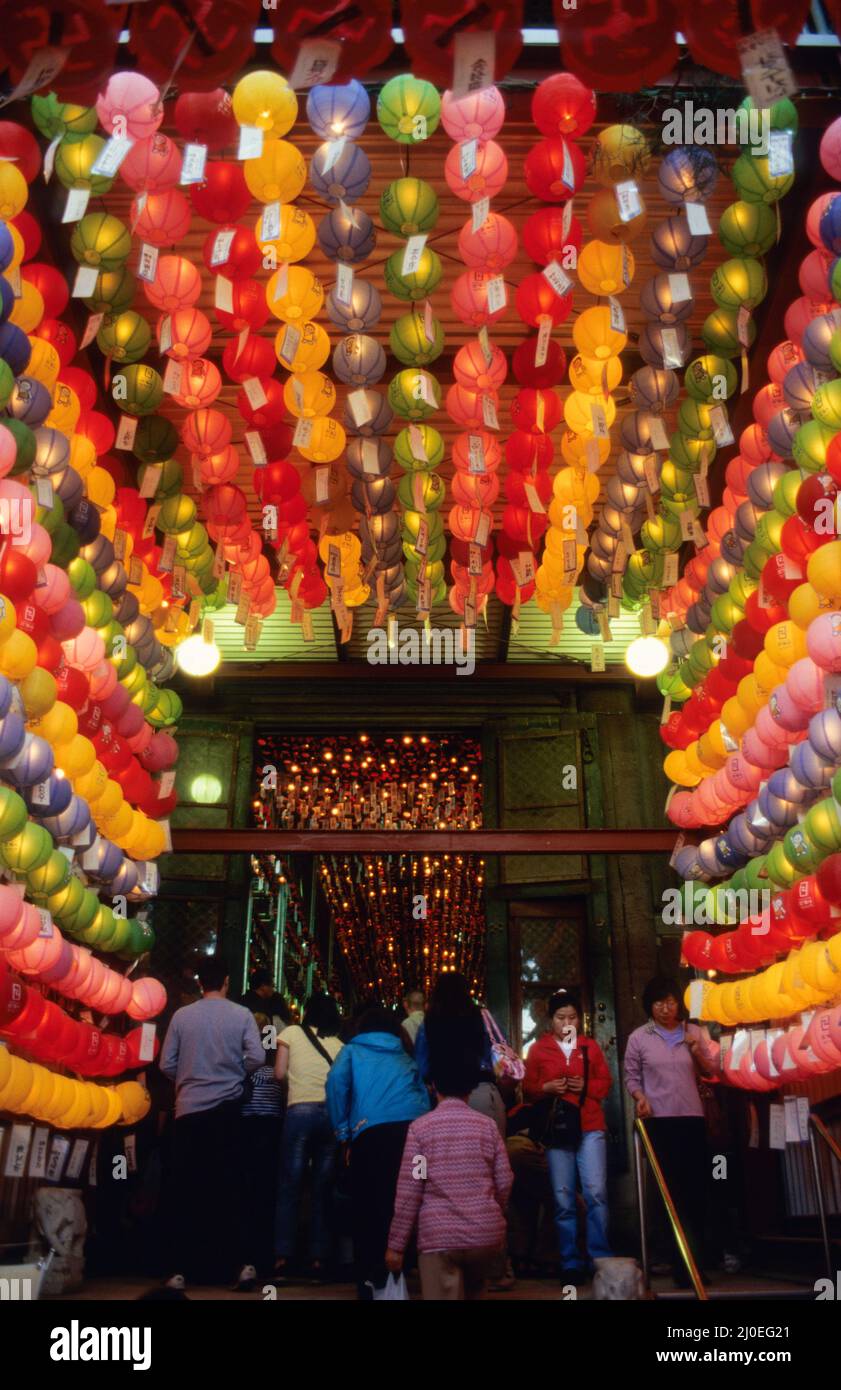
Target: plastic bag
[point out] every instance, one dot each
(394, 1290)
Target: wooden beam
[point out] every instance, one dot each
(560, 672)
(423, 841)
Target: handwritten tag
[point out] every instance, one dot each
(303, 434)
(765, 68)
(289, 344)
(544, 337)
(250, 142)
(489, 415)
(270, 222)
(679, 288)
(92, 327)
(597, 657)
(672, 353)
(126, 431)
(412, 255)
(480, 212)
(468, 157)
(193, 162)
(254, 393)
(173, 377)
(474, 54)
(558, 278)
(147, 264)
(696, 216)
(628, 200)
(416, 444)
(476, 454)
(617, 315)
(111, 156)
(317, 61)
(780, 153)
(722, 433)
(344, 284)
(76, 205)
(497, 296)
(256, 448)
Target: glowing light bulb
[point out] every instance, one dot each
(196, 657)
(647, 656)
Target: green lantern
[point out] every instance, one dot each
(823, 826)
(156, 439)
(408, 109)
(166, 711)
(690, 454)
(420, 283)
(7, 383)
(28, 850)
(195, 541)
(711, 378)
(661, 533)
(720, 332)
(98, 609)
(65, 547)
(675, 481)
(13, 814)
(409, 342)
(141, 939)
(421, 487)
(124, 338)
(810, 444)
(49, 517)
(74, 160)
(138, 389)
(434, 572)
(409, 207)
(437, 549)
(429, 449)
(769, 529)
(673, 504)
(747, 229)
(177, 513)
(82, 576)
(782, 115)
(826, 404)
(50, 877)
(785, 493)
(725, 614)
(739, 283)
(799, 850)
(63, 904)
(59, 118)
(756, 874)
(753, 560)
(114, 291)
(26, 445)
(100, 240)
(414, 395)
(694, 420)
(755, 183)
(170, 479)
(741, 588)
(835, 340)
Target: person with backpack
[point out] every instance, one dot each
(567, 1077)
(374, 1091)
(305, 1053)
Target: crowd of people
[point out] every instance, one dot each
(415, 1135)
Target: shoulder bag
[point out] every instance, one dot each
(557, 1122)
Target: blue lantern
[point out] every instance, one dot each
(347, 236)
(339, 110)
(344, 180)
(359, 360)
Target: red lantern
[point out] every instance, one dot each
(243, 259)
(552, 371)
(61, 337)
(526, 452)
(18, 576)
(152, 165)
(470, 368)
(546, 236)
(713, 29)
(51, 285)
(256, 358)
(488, 447)
(798, 541)
(206, 118)
(539, 411)
(164, 220)
(224, 195)
(430, 35)
(98, 429)
(619, 45)
(363, 31)
(82, 383)
(86, 32)
(467, 407)
(516, 484)
(469, 298)
(536, 300)
(477, 490)
(554, 170)
(250, 308)
(561, 105)
(189, 333)
(200, 384)
(30, 230)
(20, 146)
(212, 41)
(273, 412)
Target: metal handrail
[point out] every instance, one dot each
(817, 1127)
(642, 1144)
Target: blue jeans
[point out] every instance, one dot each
(307, 1136)
(590, 1161)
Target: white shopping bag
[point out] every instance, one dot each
(394, 1290)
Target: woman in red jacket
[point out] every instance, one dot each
(565, 1064)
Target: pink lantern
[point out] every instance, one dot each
(85, 651)
(177, 284)
(469, 298)
(814, 215)
(130, 106)
(485, 180)
(823, 641)
(805, 684)
(54, 592)
(490, 247)
(813, 275)
(41, 954)
(477, 116)
(487, 446)
(201, 383)
(799, 315)
(830, 150)
(470, 368)
(152, 165)
(148, 998)
(188, 332)
(206, 432)
(164, 219)
(466, 407)
(218, 468)
(103, 678)
(782, 358)
(27, 931)
(11, 912)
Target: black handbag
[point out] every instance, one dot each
(557, 1123)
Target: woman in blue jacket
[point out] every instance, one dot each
(374, 1091)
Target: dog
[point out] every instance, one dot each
(618, 1279)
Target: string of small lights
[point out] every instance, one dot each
(376, 781)
(400, 920)
(270, 874)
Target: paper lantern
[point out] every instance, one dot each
(74, 161)
(491, 247)
(278, 174)
(13, 191)
(469, 299)
(605, 222)
(294, 295)
(345, 235)
(487, 178)
(419, 283)
(100, 240)
(309, 395)
(620, 153)
(340, 178)
(334, 111)
(249, 308)
(409, 343)
(755, 183)
(141, 390)
(546, 236)
(674, 247)
(164, 219)
(152, 165)
(124, 338)
(562, 105)
(536, 300)
(471, 369)
(114, 291)
(266, 101)
(200, 384)
(408, 206)
(408, 109)
(206, 118)
(358, 360)
(311, 351)
(475, 116)
(326, 442)
(413, 395)
(130, 106)
(604, 269)
(747, 229)
(363, 312)
(554, 170)
(223, 195)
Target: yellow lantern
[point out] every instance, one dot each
(577, 448)
(310, 395)
(58, 724)
(265, 100)
(620, 153)
(38, 692)
(295, 238)
(785, 642)
(311, 352)
(66, 410)
(326, 441)
(28, 310)
(278, 174)
(605, 269)
(581, 412)
(593, 335)
(294, 295)
(605, 222)
(44, 363)
(82, 454)
(593, 377)
(18, 656)
(13, 191)
(100, 487)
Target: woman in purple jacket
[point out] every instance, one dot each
(663, 1061)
